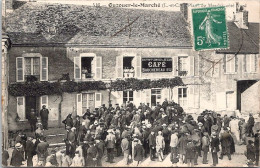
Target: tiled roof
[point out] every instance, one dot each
(41, 23)
(243, 41)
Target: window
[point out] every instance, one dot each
(32, 67)
(128, 96)
(182, 96)
(128, 68)
(87, 67)
(183, 67)
(230, 61)
(250, 63)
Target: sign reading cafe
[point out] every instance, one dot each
(150, 65)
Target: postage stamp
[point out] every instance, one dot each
(209, 28)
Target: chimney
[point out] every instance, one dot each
(9, 5)
(184, 10)
(241, 17)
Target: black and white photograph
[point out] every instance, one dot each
(144, 83)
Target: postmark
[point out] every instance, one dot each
(210, 28)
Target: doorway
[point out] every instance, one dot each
(242, 86)
(30, 103)
(155, 96)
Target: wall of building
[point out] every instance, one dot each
(250, 99)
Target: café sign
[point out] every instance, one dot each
(150, 65)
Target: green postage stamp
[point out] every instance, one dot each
(210, 28)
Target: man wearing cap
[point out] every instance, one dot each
(190, 152)
(32, 120)
(173, 145)
(68, 121)
(44, 113)
(214, 148)
(111, 142)
(125, 148)
(205, 147)
(42, 150)
(152, 145)
(100, 146)
(166, 135)
(250, 125)
(30, 150)
(225, 139)
(17, 156)
(138, 152)
(160, 145)
(145, 135)
(92, 154)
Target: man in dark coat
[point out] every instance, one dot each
(5, 157)
(100, 145)
(42, 150)
(152, 145)
(214, 148)
(17, 156)
(250, 125)
(225, 139)
(44, 113)
(138, 152)
(166, 135)
(145, 135)
(190, 152)
(111, 142)
(256, 144)
(77, 125)
(32, 120)
(30, 150)
(226, 121)
(92, 154)
(250, 152)
(68, 121)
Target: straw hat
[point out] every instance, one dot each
(18, 145)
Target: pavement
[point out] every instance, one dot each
(238, 159)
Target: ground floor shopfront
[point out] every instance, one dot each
(194, 98)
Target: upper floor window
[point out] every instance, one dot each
(88, 66)
(183, 66)
(128, 68)
(250, 63)
(31, 66)
(230, 63)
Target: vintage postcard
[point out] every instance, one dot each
(143, 83)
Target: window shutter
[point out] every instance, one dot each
(196, 66)
(21, 108)
(148, 96)
(19, 69)
(175, 66)
(196, 96)
(119, 67)
(175, 95)
(79, 104)
(98, 97)
(98, 74)
(44, 69)
(255, 62)
(137, 97)
(191, 66)
(225, 63)
(235, 63)
(245, 63)
(77, 67)
(191, 96)
(138, 68)
(44, 101)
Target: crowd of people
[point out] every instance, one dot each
(137, 133)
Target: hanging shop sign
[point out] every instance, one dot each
(150, 65)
